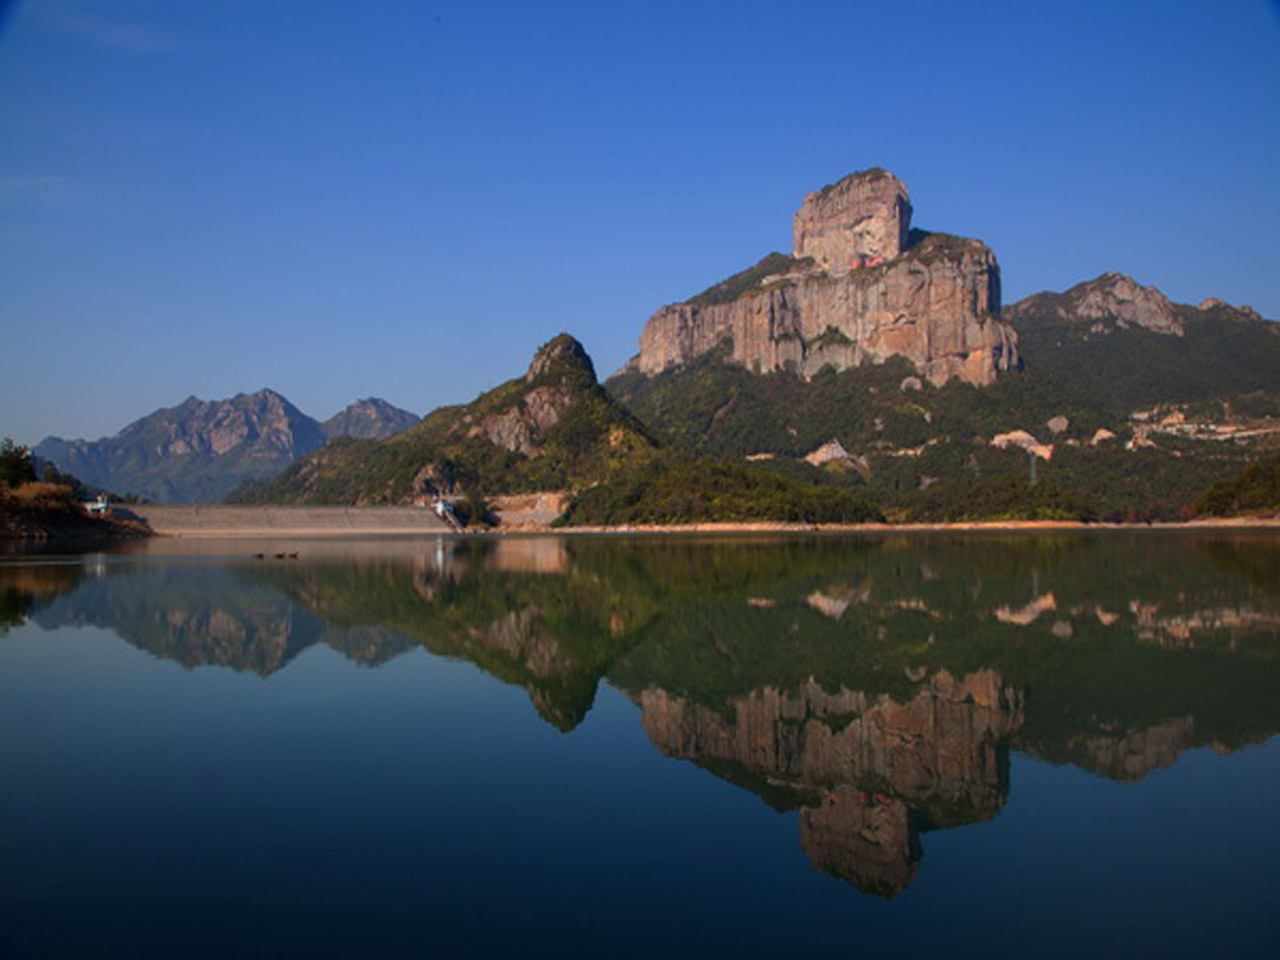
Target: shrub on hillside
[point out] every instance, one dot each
(1256, 489)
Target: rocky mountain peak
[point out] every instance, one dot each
(195, 452)
(1129, 302)
(371, 418)
(864, 216)
(561, 358)
(857, 291)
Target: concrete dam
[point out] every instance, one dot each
(254, 521)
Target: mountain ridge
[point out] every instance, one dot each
(551, 428)
(200, 450)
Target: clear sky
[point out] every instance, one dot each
(404, 198)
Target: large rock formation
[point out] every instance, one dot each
(864, 216)
(856, 291)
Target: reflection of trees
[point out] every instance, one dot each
(24, 588)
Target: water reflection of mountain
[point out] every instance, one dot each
(209, 615)
(869, 773)
(876, 685)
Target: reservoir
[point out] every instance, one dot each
(1047, 744)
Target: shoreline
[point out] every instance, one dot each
(217, 522)
(348, 530)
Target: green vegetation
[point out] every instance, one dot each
(1256, 489)
(1220, 358)
(554, 429)
(16, 465)
(32, 509)
(1003, 497)
(747, 280)
(689, 490)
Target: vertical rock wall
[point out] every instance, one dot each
(857, 292)
(865, 215)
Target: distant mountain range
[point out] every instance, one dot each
(201, 450)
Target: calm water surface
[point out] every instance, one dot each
(1059, 746)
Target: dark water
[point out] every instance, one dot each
(1046, 746)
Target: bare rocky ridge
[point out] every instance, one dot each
(855, 292)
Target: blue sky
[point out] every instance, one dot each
(404, 199)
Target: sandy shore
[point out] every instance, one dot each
(999, 526)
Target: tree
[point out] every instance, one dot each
(16, 465)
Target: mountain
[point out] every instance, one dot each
(201, 450)
(554, 428)
(369, 419)
(196, 452)
(1127, 402)
(860, 286)
(1128, 346)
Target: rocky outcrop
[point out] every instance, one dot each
(1115, 300)
(864, 216)
(518, 429)
(557, 372)
(856, 292)
(865, 768)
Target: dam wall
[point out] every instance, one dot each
(242, 521)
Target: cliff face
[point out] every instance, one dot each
(854, 293)
(865, 215)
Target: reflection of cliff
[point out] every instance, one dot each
(869, 771)
(872, 842)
